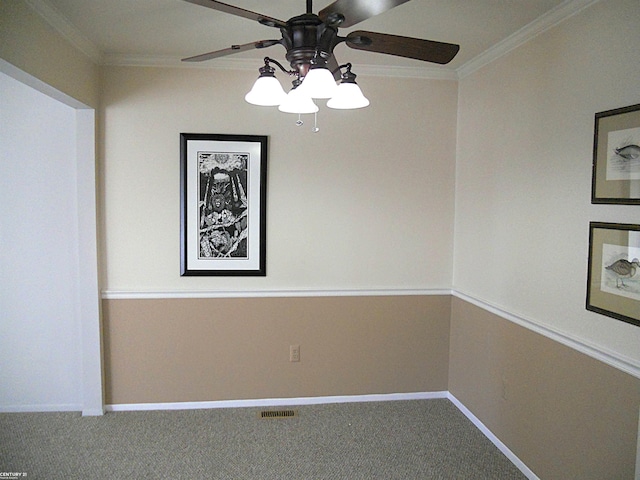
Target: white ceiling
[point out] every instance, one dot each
(164, 31)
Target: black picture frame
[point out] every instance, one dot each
(613, 279)
(616, 157)
(223, 193)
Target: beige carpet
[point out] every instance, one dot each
(418, 439)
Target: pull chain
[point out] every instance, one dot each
(315, 128)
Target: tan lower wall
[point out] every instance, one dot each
(564, 414)
(179, 350)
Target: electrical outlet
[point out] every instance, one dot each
(294, 353)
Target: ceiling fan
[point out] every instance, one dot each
(309, 35)
(309, 40)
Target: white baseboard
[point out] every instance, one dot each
(92, 412)
(495, 440)
(276, 402)
(65, 407)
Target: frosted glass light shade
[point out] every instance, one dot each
(319, 83)
(266, 92)
(297, 102)
(348, 96)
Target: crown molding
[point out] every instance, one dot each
(543, 23)
(66, 29)
(426, 72)
(170, 61)
(565, 10)
(227, 63)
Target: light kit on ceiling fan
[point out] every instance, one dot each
(348, 94)
(267, 91)
(297, 102)
(319, 81)
(309, 40)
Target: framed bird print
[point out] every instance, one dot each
(223, 181)
(613, 280)
(616, 157)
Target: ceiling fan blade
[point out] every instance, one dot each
(425, 50)
(231, 50)
(355, 11)
(240, 12)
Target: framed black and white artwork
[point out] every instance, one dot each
(223, 181)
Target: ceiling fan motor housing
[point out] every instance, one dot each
(304, 36)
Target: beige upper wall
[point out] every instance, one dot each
(359, 214)
(32, 45)
(365, 203)
(525, 139)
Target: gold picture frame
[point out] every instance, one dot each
(616, 157)
(613, 281)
